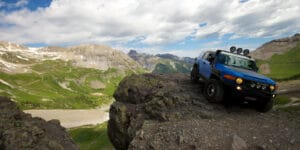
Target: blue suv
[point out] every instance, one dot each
(235, 74)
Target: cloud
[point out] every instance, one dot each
(254, 19)
(151, 23)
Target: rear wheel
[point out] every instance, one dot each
(265, 106)
(195, 73)
(213, 91)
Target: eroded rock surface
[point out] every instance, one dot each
(19, 130)
(169, 112)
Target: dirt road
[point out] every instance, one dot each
(73, 118)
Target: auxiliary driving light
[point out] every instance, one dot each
(239, 80)
(239, 88)
(258, 86)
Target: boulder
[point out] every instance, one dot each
(19, 130)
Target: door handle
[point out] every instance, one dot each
(204, 63)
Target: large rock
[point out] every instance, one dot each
(20, 131)
(169, 112)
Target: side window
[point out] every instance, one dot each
(205, 55)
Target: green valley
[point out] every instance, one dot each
(58, 84)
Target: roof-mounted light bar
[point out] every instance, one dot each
(239, 51)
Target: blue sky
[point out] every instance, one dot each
(171, 26)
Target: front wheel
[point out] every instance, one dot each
(213, 91)
(265, 106)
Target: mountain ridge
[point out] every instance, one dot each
(162, 63)
(277, 46)
(280, 58)
(75, 77)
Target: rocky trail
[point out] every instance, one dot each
(169, 112)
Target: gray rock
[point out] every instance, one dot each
(238, 143)
(20, 131)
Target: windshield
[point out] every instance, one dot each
(237, 61)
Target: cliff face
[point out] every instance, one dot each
(20, 131)
(169, 112)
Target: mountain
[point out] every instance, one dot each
(146, 61)
(168, 111)
(278, 46)
(280, 59)
(162, 63)
(82, 76)
(168, 56)
(95, 56)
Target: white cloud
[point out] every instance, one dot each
(152, 22)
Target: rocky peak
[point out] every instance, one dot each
(169, 112)
(132, 53)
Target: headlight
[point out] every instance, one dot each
(239, 80)
(263, 87)
(272, 87)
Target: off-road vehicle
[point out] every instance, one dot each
(234, 74)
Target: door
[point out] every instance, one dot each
(205, 65)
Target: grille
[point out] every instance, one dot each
(256, 85)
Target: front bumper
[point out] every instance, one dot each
(248, 93)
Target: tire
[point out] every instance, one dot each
(213, 91)
(265, 106)
(195, 73)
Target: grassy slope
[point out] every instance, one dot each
(91, 137)
(41, 89)
(284, 66)
(283, 100)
